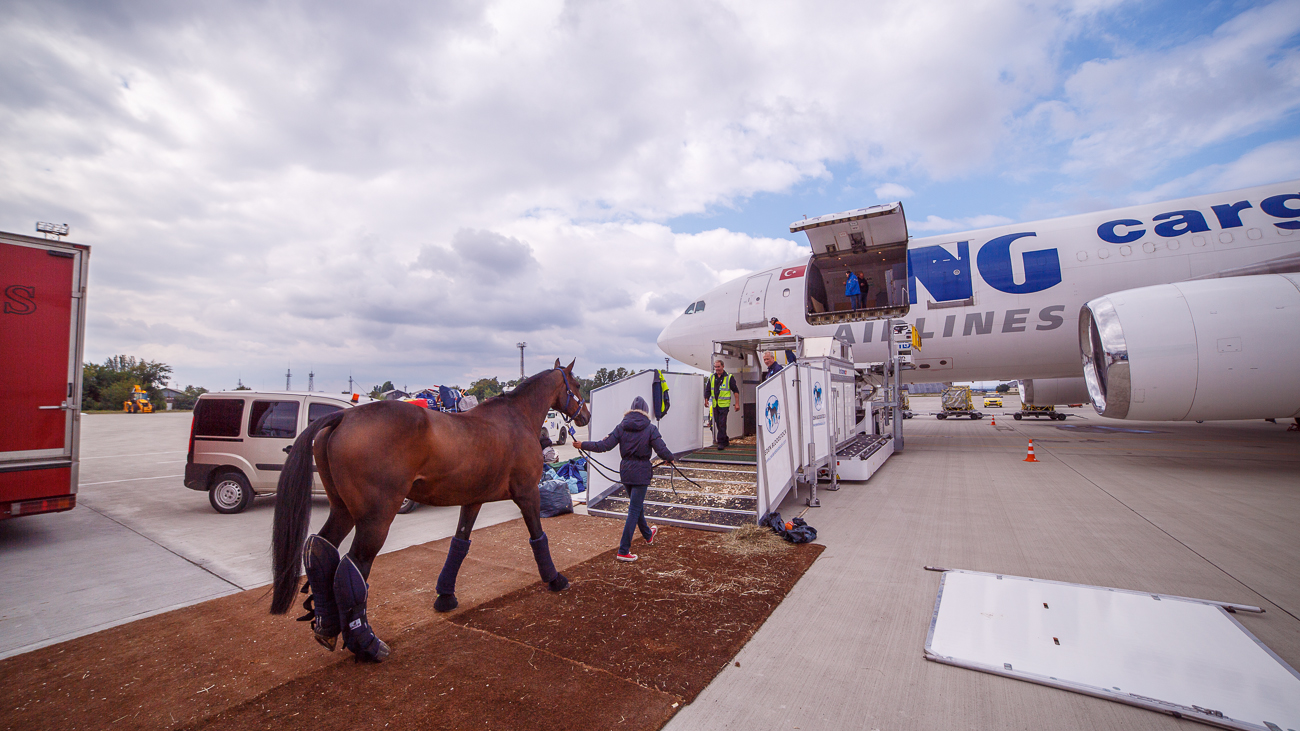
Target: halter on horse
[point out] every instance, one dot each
(371, 458)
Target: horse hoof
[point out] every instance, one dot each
(377, 653)
(559, 583)
(328, 643)
(445, 603)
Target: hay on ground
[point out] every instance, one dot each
(752, 540)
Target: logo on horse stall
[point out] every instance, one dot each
(773, 413)
(817, 396)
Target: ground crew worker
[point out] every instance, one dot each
(772, 366)
(721, 392)
(853, 290)
(779, 329)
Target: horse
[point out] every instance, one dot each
(371, 458)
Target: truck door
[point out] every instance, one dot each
(40, 323)
(752, 307)
(868, 246)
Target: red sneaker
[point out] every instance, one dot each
(654, 531)
(629, 557)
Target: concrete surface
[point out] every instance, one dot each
(1202, 510)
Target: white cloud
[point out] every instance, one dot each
(893, 192)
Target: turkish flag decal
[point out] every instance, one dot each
(793, 272)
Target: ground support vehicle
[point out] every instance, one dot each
(239, 441)
(556, 429)
(1037, 411)
(42, 332)
(957, 402)
(139, 402)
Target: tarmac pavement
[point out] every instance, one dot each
(1201, 510)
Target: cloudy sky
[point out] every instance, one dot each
(404, 190)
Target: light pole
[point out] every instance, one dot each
(665, 364)
(288, 374)
(521, 347)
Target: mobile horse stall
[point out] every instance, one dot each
(805, 423)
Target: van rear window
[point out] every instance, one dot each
(218, 417)
(273, 419)
(317, 410)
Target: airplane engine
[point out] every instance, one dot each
(1053, 391)
(1204, 349)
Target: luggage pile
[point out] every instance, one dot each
(437, 398)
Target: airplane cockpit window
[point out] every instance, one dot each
(699, 306)
(858, 270)
(689, 309)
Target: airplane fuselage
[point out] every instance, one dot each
(1004, 302)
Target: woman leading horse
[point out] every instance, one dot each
(371, 458)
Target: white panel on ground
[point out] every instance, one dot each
(777, 430)
(1168, 654)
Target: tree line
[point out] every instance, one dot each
(107, 385)
(485, 388)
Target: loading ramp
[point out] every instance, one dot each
(807, 429)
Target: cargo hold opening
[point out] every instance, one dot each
(869, 242)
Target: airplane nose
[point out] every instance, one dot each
(670, 340)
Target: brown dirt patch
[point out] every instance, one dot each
(516, 655)
(669, 621)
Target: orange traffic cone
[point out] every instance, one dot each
(993, 421)
(1030, 456)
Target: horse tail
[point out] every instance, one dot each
(293, 513)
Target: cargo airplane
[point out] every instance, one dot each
(1184, 310)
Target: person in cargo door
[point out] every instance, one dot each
(853, 290)
(635, 437)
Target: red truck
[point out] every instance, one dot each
(42, 333)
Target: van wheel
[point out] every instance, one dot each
(407, 506)
(230, 493)
(564, 436)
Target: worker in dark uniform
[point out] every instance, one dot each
(721, 395)
(769, 362)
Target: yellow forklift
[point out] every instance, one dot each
(139, 403)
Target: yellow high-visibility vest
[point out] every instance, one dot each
(723, 401)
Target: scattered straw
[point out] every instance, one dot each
(751, 540)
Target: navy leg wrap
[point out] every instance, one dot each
(455, 555)
(321, 561)
(545, 566)
(350, 592)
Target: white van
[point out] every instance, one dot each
(239, 441)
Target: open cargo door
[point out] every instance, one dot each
(869, 244)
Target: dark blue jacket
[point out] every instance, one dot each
(635, 436)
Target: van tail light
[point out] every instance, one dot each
(189, 458)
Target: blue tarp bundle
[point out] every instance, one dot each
(575, 472)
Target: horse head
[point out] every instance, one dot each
(570, 402)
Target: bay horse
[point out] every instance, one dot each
(374, 456)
